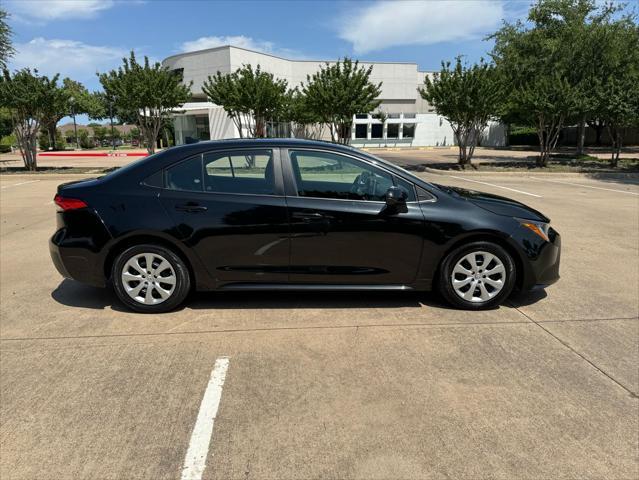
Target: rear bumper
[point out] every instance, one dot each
(75, 262)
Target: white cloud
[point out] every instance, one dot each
(58, 9)
(389, 24)
(203, 43)
(69, 58)
(241, 41)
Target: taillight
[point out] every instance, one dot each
(66, 203)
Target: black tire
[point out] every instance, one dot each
(181, 287)
(445, 285)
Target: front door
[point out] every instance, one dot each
(230, 208)
(341, 229)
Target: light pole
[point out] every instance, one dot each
(111, 117)
(75, 127)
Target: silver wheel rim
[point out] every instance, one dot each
(478, 277)
(148, 278)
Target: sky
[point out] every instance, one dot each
(78, 38)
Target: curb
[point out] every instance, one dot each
(611, 175)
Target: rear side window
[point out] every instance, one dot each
(245, 171)
(186, 175)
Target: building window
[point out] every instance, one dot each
(360, 130)
(408, 130)
(392, 130)
(393, 115)
(377, 130)
(361, 115)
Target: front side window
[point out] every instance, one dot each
(327, 175)
(246, 171)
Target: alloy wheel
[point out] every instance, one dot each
(148, 278)
(478, 276)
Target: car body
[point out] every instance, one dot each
(294, 214)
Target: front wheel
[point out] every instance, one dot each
(150, 279)
(477, 276)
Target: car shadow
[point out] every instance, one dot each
(523, 299)
(303, 300)
(76, 294)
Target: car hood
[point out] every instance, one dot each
(497, 204)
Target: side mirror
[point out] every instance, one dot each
(396, 199)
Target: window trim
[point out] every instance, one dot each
(291, 182)
(277, 172)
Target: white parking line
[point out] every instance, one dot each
(585, 186)
(18, 184)
(497, 186)
(195, 460)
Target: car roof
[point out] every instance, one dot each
(260, 142)
(161, 159)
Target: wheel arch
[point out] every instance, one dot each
(487, 236)
(141, 238)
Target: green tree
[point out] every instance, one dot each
(6, 125)
(250, 97)
(552, 64)
(304, 120)
(44, 140)
(468, 97)
(84, 138)
(6, 46)
(148, 92)
(27, 96)
(339, 91)
(134, 134)
(100, 133)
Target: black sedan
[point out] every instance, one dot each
(283, 214)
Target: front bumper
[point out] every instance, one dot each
(543, 261)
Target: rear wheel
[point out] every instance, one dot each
(477, 276)
(150, 279)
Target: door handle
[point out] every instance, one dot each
(191, 207)
(307, 217)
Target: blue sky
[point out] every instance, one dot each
(79, 37)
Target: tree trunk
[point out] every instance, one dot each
(27, 136)
(542, 160)
(615, 138)
(581, 135)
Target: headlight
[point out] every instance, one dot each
(539, 228)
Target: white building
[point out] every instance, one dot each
(409, 121)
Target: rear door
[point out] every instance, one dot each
(341, 229)
(229, 207)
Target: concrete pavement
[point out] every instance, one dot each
(326, 385)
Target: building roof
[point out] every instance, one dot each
(223, 47)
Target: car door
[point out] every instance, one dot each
(229, 207)
(342, 231)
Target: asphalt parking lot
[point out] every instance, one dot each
(329, 385)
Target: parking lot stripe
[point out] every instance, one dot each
(195, 460)
(18, 184)
(496, 186)
(585, 186)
